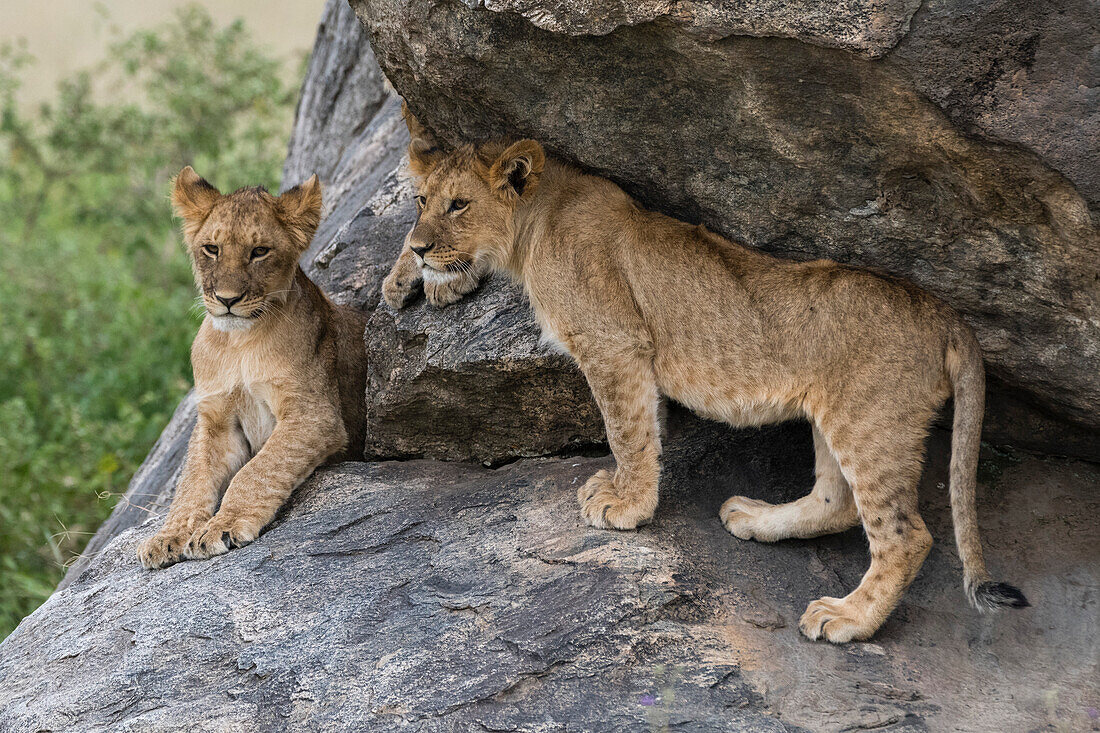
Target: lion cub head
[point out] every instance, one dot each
(466, 200)
(244, 246)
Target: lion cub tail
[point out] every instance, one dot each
(967, 374)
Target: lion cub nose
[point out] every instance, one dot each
(228, 302)
(421, 249)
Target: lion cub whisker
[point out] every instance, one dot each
(266, 359)
(649, 307)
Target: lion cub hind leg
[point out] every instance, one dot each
(625, 389)
(884, 481)
(829, 508)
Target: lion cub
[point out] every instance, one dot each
(279, 370)
(651, 306)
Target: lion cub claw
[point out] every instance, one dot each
(836, 620)
(219, 535)
(164, 548)
(399, 290)
(603, 507)
(169, 545)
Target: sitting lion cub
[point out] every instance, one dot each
(279, 370)
(651, 306)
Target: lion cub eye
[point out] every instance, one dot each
(258, 252)
(211, 250)
(458, 205)
(420, 201)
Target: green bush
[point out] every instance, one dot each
(96, 290)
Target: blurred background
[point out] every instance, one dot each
(100, 104)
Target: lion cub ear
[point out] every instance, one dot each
(516, 172)
(424, 150)
(300, 210)
(192, 199)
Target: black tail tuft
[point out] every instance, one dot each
(990, 596)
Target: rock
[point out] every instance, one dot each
(957, 146)
(445, 596)
(472, 382)
(868, 27)
(1015, 71)
(346, 129)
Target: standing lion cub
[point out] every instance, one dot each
(279, 370)
(651, 306)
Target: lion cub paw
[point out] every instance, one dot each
(399, 289)
(165, 548)
(442, 291)
(603, 507)
(220, 535)
(837, 620)
(744, 518)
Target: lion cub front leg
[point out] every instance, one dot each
(216, 451)
(306, 433)
(403, 282)
(440, 288)
(444, 288)
(625, 389)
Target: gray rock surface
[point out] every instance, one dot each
(445, 596)
(1027, 73)
(472, 382)
(956, 160)
(868, 27)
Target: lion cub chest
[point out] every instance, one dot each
(247, 385)
(255, 415)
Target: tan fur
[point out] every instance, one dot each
(651, 306)
(279, 373)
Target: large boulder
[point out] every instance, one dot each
(451, 597)
(954, 144)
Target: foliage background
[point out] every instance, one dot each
(97, 295)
